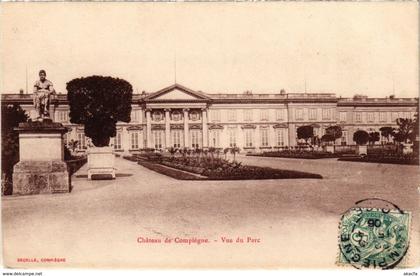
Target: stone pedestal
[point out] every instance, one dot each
(329, 148)
(101, 163)
(361, 150)
(41, 167)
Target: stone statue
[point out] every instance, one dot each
(43, 90)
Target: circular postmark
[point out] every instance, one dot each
(373, 237)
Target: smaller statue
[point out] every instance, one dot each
(43, 90)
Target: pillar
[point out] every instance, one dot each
(148, 128)
(204, 128)
(167, 129)
(186, 130)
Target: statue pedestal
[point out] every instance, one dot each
(41, 167)
(101, 163)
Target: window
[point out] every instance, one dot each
(343, 116)
(195, 138)
(394, 116)
(62, 116)
(232, 138)
(231, 115)
(358, 117)
(249, 138)
(135, 115)
(176, 136)
(81, 139)
(215, 138)
(326, 114)
(264, 137)
(157, 116)
(312, 113)
(117, 141)
(279, 114)
(371, 116)
(215, 115)
(279, 137)
(134, 140)
(248, 115)
(299, 114)
(264, 114)
(382, 116)
(157, 138)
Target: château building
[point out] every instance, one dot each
(177, 116)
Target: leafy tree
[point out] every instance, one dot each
(233, 151)
(386, 132)
(335, 132)
(305, 132)
(98, 103)
(361, 137)
(406, 130)
(225, 151)
(11, 116)
(327, 138)
(172, 151)
(373, 137)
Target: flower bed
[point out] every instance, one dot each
(215, 169)
(174, 173)
(408, 159)
(297, 154)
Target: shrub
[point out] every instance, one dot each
(361, 137)
(11, 116)
(98, 102)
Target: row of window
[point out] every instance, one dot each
(177, 139)
(375, 116)
(280, 115)
(248, 115)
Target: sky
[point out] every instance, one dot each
(344, 48)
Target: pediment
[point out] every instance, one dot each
(177, 92)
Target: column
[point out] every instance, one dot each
(148, 128)
(186, 130)
(204, 127)
(167, 129)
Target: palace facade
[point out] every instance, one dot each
(177, 116)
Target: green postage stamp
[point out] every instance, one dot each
(373, 238)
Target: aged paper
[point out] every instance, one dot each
(214, 167)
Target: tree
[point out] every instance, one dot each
(233, 151)
(225, 151)
(373, 137)
(406, 130)
(172, 151)
(11, 116)
(386, 132)
(327, 138)
(361, 137)
(335, 132)
(98, 103)
(305, 132)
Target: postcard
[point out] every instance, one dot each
(211, 135)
